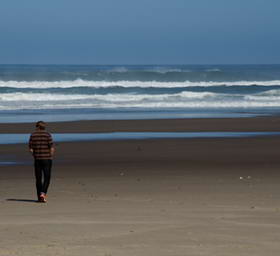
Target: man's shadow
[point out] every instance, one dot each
(22, 200)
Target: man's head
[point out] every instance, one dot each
(41, 125)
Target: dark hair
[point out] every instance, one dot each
(41, 125)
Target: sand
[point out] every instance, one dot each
(157, 125)
(172, 197)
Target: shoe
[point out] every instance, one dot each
(42, 198)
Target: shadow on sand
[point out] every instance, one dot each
(22, 200)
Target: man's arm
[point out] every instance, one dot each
(30, 145)
(51, 145)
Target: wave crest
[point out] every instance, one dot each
(130, 84)
(184, 99)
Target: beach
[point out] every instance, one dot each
(165, 122)
(207, 196)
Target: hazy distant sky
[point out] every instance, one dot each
(139, 31)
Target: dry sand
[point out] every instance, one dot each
(169, 197)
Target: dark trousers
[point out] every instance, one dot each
(42, 170)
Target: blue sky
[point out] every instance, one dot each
(139, 32)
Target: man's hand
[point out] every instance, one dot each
(52, 151)
(31, 150)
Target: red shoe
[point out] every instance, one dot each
(42, 198)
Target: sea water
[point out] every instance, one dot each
(9, 138)
(68, 92)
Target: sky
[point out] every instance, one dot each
(139, 32)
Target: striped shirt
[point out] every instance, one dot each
(41, 142)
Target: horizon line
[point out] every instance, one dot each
(141, 64)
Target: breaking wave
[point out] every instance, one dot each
(130, 84)
(185, 99)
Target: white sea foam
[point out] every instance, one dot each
(155, 105)
(275, 92)
(129, 84)
(18, 97)
(271, 95)
(117, 70)
(17, 101)
(168, 70)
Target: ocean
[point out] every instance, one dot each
(89, 92)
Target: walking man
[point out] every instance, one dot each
(42, 149)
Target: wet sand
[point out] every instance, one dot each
(146, 197)
(271, 123)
